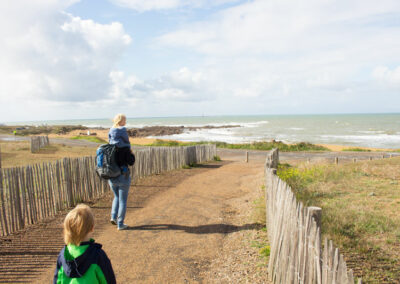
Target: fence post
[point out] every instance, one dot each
(38, 142)
(316, 213)
(0, 157)
(336, 160)
(247, 157)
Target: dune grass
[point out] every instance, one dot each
(266, 146)
(40, 130)
(355, 149)
(302, 146)
(360, 204)
(94, 139)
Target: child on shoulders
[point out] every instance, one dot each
(118, 134)
(82, 260)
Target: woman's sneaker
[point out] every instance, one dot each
(123, 227)
(114, 222)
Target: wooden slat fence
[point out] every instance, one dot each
(294, 233)
(38, 142)
(33, 193)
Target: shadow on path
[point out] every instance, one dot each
(203, 229)
(207, 166)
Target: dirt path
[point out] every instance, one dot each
(187, 226)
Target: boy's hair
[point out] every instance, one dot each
(77, 224)
(118, 118)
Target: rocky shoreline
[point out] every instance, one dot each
(132, 132)
(169, 130)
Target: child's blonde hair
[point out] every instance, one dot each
(117, 119)
(77, 224)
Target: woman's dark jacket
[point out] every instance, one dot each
(124, 157)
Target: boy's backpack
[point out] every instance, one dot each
(106, 166)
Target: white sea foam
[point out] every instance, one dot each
(94, 125)
(371, 131)
(219, 124)
(219, 134)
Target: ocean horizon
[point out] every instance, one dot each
(353, 130)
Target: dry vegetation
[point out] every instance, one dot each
(18, 153)
(360, 204)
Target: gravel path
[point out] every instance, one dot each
(186, 226)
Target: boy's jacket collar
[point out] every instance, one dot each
(77, 267)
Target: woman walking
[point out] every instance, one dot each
(124, 158)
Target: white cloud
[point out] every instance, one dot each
(390, 78)
(128, 88)
(279, 27)
(142, 6)
(263, 50)
(54, 56)
(181, 85)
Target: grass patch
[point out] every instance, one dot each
(360, 204)
(266, 146)
(265, 251)
(40, 130)
(191, 165)
(94, 139)
(302, 146)
(217, 158)
(356, 150)
(171, 143)
(259, 212)
(18, 153)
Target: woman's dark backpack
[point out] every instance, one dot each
(106, 165)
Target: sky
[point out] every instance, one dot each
(71, 59)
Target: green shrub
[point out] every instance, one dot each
(94, 139)
(356, 150)
(302, 146)
(265, 251)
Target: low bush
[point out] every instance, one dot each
(356, 150)
(94, 139)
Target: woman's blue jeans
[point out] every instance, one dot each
(120, 187)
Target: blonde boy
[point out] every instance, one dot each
(82, 260)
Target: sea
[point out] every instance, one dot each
(353, 130)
